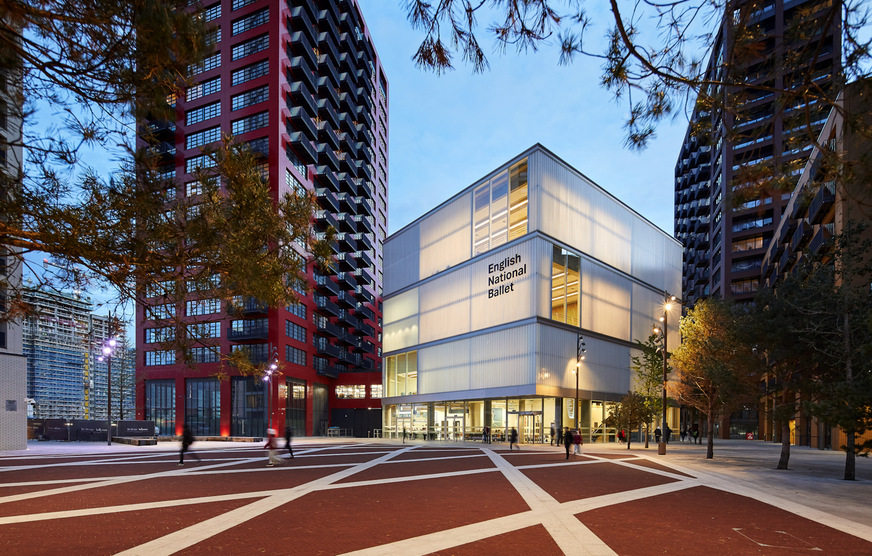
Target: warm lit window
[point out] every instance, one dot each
(565, 286)
(351, 391)
(402, 374)
(375, 391)
(500, 208)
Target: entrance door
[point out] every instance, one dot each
(319, 410)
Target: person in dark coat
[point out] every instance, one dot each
(187, 440)
(513, 438)
(553, 434)
(567, 440)
(289, 434)
(657, 434)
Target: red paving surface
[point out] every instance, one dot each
(421, 467)
(106, 533)
(532, 540)
(702, 519)
(574, 482)
(331, 517)
(381, 514)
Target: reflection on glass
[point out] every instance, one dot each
(565, 286)
(518, 199)
(500, 209)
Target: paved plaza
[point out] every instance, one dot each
(359, 496)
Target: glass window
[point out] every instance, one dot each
(160, 357)
(212, 12)
(207, 64)
(351, 391)
(204, 330)
(295, 331)
(256, 353)
(295, 355)
(210, 354)
(247, 406)
(204, 137)
(252, 71)
(251, 46)
(565, 286)
(402, 374)
(748, 244)
(164, 311)
(249, 98)
(160, 405)
(249, 22)
(196, 307)
(295, 405)
(375, 391)
(518, 200)
(203, 406)
(203, 113)
(155, 335)
(500, 209)
(203, 89)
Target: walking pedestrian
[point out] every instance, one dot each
(485, 435)
(553, 432)
(513, 438)
(404, 435)
(187, 440)
(567, 440)
(576, 441)
(289, 434)
(667, 433)
(657, 434)
(271, 446)
(683, 434)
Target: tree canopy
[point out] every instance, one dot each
(105, 70)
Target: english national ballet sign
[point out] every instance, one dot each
(501, 276)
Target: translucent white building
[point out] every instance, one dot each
(486, 295)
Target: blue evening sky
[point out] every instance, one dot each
(448, 131)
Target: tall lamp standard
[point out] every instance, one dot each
(267, 377)
(664, 332)
(108, 348)
(580, 352)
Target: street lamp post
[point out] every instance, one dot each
(580, 352)
(667, 306)
(108, 348)
(267, 377)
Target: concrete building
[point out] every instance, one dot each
(62, 341)
(769, 134)
(13, 370)
(487, 294)
(301, 83)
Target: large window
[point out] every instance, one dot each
(250, 123)
(202, 89)
(247, 406)
(748, 244)
(243, 49)
(249, 22)
(295, 331)
(295, 405)
(500, 209)
(197, 307)
(295, 355)
(375, 391)
(207, 64)
(249, 98)
(210, 354)
(160, 357)
(402, 375)
(253, 71)
(565, 286)
(203, 406)
(351, 391)
(204, 330)
(203, 113)
(163, 334)
(160, 405)
(204, 137)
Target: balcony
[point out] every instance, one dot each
(346, 280)
(348, 319)
(362, 294)
(326, 285)
(801, 236)
(324, 306)
(301, 121)
(820, 240)
(301, 71)
(328, 136)
(327, 45)
(363, 241)
(347, 163)
(327, 178)
(362, 258)
(364, 278)
(326, 218)
(364, 330)
(348, 182)
(165, 131)
(364, 206)
(787, 259)
(363, 224)
(346, 300)
(347, 203)
(300, 95)
(325, 348)
(302, 147)
(327, 156)
(300, 44)
(326, 89)
(301, 21)
(364, 312)
(345, 261)
(347, 223)
(822, 202)
(346, 241)
(327, 328)
(328, 113)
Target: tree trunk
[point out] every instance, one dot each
(647, 433)
(785, 437)
(710, 449)
(850, 458)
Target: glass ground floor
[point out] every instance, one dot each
(532, 417)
